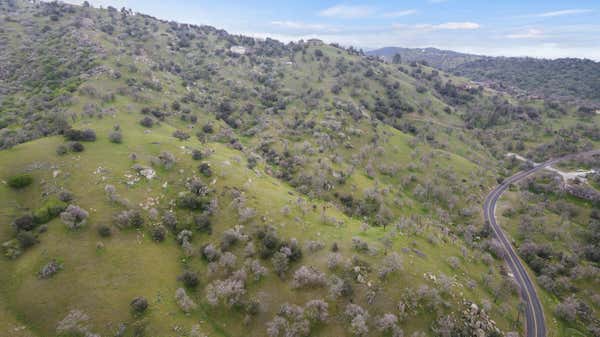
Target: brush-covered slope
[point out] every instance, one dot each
(163, 179)
(567, 79)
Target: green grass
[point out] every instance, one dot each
(103, 281)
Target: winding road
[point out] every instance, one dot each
(534, 313)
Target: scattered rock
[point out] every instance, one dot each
(148, 173)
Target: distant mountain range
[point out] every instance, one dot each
(563, 79)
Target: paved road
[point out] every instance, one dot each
(534, 313)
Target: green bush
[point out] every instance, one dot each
(26, 239)
(20, 181)
(104, 231)
(62, 149)
(50, 210)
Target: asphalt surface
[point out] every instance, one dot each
(534, 313)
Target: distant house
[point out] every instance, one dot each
(241, 50)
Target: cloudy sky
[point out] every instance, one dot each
(548, 29)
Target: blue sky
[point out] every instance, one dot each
(548, 29)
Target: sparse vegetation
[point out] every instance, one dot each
(295, 189)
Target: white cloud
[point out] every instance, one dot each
(563, 12)
(397, 14)
(543, 50)
(441, 26)
(297, 25)
(529, 34)
(347, 12)
(458, 26)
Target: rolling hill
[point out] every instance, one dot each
(560, 79)
(167, 179)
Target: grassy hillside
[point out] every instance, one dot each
(280, 187)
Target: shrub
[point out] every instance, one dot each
(316, 311)
(74, 324)
(20, 181)
(193, 202)
(339, 287)
(334, 260)
(208, 128)
(230, 292)
(359, 245)
(308, 277)
(115, 137)
(65, 196)
(184, 236)
(167, 159)
(269, 242)
(210, 253)
(197, 155)
(169, 220)
(453, 261)
(293, 320)
(567, 309)
(74, 217)
(158, 233)
(203, 223)
(229, 238)
(76, 147)
(292, 249)
(26, 239)
(104, 231)
(147, 122)
(227, 261)
(314, 246)
(358, 318)
(129, 218)
(139, 304)
(185, 303)
(390, 264)
(87, 135)
(252, 307)
(50, 210)
(197, 187)
(336, 89)
(24, 223)
(49, 269)
(181, 135)
(253, 160)
(388, 325)
(205, 169)
(189, 279)
(255, 268)
(62, 149)
(281, 263)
